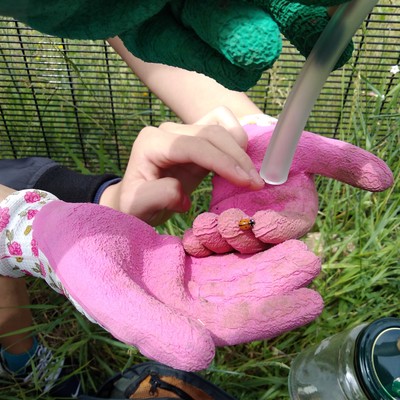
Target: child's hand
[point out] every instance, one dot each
(142, 287)
(285, 211)
(169, 162)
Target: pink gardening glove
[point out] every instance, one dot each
(142, 287)
(250, 221)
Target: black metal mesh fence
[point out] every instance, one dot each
(77, 101)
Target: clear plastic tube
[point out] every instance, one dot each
(316, 70)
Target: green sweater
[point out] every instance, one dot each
(232, 41)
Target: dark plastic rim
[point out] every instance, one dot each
(364, 357)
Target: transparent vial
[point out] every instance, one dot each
(362, 363)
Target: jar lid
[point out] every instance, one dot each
(377, 359)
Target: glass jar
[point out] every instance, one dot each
(362, 363)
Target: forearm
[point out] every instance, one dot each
(5, 191)
(188, 94)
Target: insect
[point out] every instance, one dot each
(246, 223)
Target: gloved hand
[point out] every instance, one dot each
(285, 211)
(231, 41)
(142, 287)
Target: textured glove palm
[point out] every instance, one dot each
(144, 289)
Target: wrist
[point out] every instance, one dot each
(110, 195)
(105, 193)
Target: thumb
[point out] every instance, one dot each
(342, 161)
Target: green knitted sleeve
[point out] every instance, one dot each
(225, 39)
(302, 25)
(231, 41)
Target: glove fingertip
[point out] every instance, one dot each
(193, 246)
(237, 229)
(194, 354)
(205, 228)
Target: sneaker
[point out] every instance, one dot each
(46, 373)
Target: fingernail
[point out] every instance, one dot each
(256, 178)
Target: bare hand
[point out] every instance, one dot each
(167, 163)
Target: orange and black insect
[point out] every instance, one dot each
(246, 224)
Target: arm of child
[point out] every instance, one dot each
(189, 94)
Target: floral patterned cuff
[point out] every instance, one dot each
(19, 253)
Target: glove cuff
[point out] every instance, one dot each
(19, 251)
(19, 254)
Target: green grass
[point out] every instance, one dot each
(356, 234)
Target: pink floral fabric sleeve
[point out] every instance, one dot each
(19, 254)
